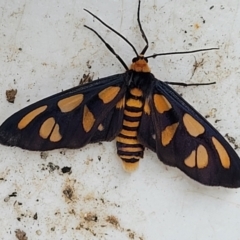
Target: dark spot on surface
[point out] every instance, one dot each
(66, 170)
(52, 167)
(44, 155)
(10, 95)
(112, 220)
(68, 192)
(91, 217)
(35, 216)
(21, 235)
(86, 78)
(232, 140)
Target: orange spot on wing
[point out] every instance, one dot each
(190, 161)
(202, 157)
(193, 127)
(121, 103)
(100, 127)
(146, 108)
(55, 135)
(108, 94)
(88, 119)
(161, 103)
(46, 128)
(30, 116)
(222, 153)
(168, 133)
(70, 103)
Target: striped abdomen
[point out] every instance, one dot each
(128, 147)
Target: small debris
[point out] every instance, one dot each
(67, 170)
(44, 155)
(231, 140)
(68, 192)
(86, 78)
(113, 220)
(21, 235)
(90, 217)
(52, 167)
(10, 95)
(35, 216)
(89, 65)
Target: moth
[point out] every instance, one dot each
(137, 110)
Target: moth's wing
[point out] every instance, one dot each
(84, 114)
(181, 137)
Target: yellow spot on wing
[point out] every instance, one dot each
(55, 135)
(30, 116)
(100, 127)
(70, 103)
(202, 157)
(136, 92)
(121, 103)
(130, 167)
(223, 155)
(190, 161)
(134, 103)
(168, 133)
(193, 127)
(88, 119)
(161, 103)
(146, 108)
(108, 94)
(46, 128)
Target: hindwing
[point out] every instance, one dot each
(181, 137)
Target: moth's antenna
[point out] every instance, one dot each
(120, 35)
(175, 53)
(109, 48)
(141, 30)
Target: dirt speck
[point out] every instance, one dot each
(68, 192)
(113, 220)
(21, 235)
(86, 78)
(10, 95)
(90, 217)
(44, 155)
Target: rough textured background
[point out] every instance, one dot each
(44, 48)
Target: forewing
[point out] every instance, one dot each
(89, 113)
(181, 137)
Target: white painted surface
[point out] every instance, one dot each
(157, 201)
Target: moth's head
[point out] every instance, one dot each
(140, 64)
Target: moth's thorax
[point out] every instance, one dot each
(140, 64)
